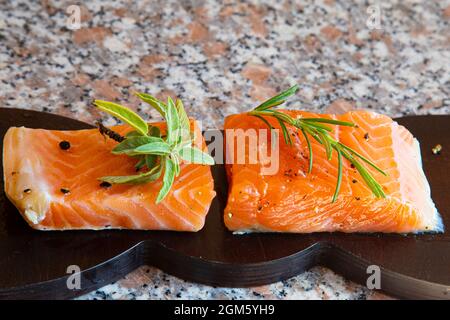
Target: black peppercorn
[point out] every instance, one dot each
(64, 145)
(105, 184)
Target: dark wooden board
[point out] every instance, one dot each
(33, 263)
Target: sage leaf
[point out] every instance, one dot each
(152, 149)
(151, 100)
(176, 162)
(150, 160)
(140, 163)
(185, 125)
(169, 177)
(195, 155)
(154, 132)
(158, 148)
(148, 176)
(124, 114)
(129, 144)
(133, 133)
(173, 123)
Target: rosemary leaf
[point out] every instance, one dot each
(339, 178)
(319, 129)
(309, 150)
(327, 144)
(330, 121)
(278, 99)
(363, 158)
(316, 125)
(263, 120)
(286, 135)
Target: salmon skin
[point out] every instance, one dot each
(57, 189)
(293, 200)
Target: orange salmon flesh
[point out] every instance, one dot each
(57, 189)
(293, 200)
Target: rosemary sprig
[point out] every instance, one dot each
(152, 150)
(318, 129)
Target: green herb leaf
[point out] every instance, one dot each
(185, 125)
(124, 114)
(133, 133)
(339, 178)
(263, 120)
(327, 145)
(195, 155)
(151, 100)
(158, 153)
(317, 125)
(318, 129)
(176, 161)
(173, 123)
(278, 99)
(286, 135)
(158, 148)
(154, 132)
(169, 177)
(330, 121)
(150, 160)
(140, 164)
(309, 150)
(129, 145)
(149, 176)
(364, 159)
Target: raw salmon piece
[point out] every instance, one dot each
(294, 201)
(37, 171)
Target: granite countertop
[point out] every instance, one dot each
(221, 57)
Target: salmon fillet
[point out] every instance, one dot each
(293, 200)
(57, 189)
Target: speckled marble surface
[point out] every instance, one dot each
(221, 57)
